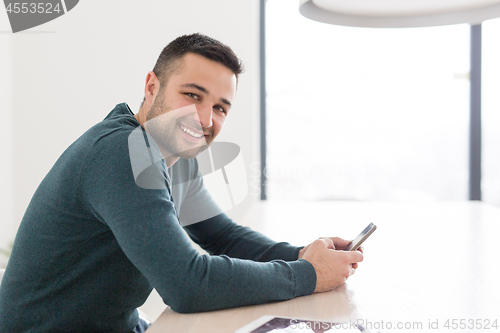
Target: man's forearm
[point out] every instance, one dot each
(219, 235)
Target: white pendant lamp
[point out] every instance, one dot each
(399, 13)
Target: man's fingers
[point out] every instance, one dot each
(355, 256)
(329, 243)
(340, 243)
(337, 243)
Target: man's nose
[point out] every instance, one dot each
(205, 116)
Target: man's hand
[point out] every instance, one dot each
(332, 265)
(339, 243)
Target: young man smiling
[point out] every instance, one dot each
(97, 236)
(193, 80)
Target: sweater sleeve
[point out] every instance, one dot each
(219, 234)
(146, 227)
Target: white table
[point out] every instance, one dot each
(427, 262)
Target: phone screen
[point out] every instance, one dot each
(356, 243)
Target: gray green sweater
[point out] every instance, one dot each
(93, 244)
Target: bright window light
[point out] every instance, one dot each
(365, 114)
(491, 112)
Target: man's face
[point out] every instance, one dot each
(189, 112)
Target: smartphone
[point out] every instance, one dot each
(356, 243)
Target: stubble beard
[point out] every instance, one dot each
(165, 132)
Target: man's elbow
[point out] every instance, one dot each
(191, 307)
(183, 306)
(189, 302)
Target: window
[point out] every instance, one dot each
(365, 114)
(491, 112)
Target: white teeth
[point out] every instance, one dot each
(188, 131)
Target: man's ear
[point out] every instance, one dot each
(151, 88)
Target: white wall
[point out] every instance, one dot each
(67, 74)
(6, 135)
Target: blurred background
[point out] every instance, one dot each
(352, 113)
(376, 114)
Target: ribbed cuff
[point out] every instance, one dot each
(305, 277)
(284, 251)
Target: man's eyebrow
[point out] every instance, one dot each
(194, 85)
(205, 91)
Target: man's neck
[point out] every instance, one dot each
(170, 160)
(139, 116)
(168, 157)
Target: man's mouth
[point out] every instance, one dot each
(190, 131)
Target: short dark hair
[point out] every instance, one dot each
(199, 44)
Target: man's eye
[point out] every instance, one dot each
(220, 109)
(193, 95)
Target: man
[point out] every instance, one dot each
(102, 230)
